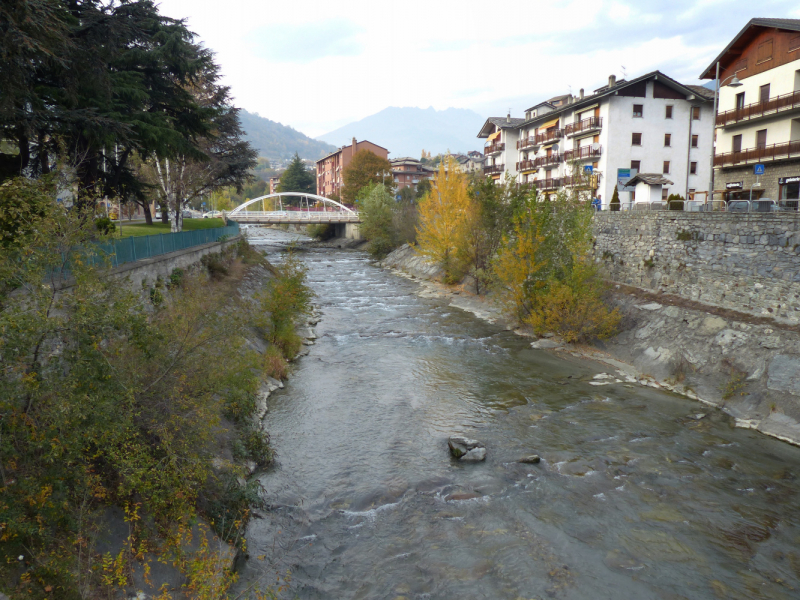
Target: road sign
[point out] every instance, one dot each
(588, 169)
(758, 169)
(203, 204)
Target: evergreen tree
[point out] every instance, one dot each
(297, 178)
(615, 204)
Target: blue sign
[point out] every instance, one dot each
(588, 169)
(759, 169)
(203, 204)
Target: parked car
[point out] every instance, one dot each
(157, 215)
(187, 214)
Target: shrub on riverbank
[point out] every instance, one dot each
(321, 231)
(107, 399)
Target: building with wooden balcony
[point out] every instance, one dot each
(500, 150)
(650, 123)
(758, 119)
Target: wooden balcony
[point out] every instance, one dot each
(526, 165)
(772, 106)
(493, 169)
(527, 142)
(583, 126)
(759, 154)
(552, 159)
(582, 153)
(548, 184)
(549, 136)
(494, 148)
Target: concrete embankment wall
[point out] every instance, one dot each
(745, 262)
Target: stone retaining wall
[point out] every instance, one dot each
(745, 262)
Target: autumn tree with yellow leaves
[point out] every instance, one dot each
(443, 213)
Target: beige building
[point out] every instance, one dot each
(758, 119)
(330, 167)
(408, 172)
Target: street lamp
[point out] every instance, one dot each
(717, 84)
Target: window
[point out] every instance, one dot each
(693, 168)
(636, 139)
(668, 114)
(764, 52)
(761, 138)
(636, 164)
(666, 167)
(740, 101)
(695, 113)
(667, 139)
(736, 145)
(764, 93)
(638, 110)
(694, 141)
(664, 193)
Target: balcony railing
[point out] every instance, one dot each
(583, 153)
(760, 109)
(549, 184)
(758, 154)
(549, 136)
(526, 165)
(493, 169)
(527, 142)
(496, 147)
(552, 159)
(585, 125)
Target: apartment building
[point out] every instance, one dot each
(651, 125)
(408, 172)
(329, 168)
(500, 154)
(758, 119)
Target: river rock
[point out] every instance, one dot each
(545, 344)
(531, 459)
(466, 449)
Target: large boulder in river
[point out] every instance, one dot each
(465, 449)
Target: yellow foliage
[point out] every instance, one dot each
(516, 266)
(443, 213)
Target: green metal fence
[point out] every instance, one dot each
(131, 249)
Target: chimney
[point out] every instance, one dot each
(354, 144)
(612, 80)
(508, 118)
(581, 93)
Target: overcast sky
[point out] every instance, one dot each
(317, 65)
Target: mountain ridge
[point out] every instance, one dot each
(278, 142)
(406, 131)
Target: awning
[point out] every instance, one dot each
(494, 136)
(548, 124)
(583, 109)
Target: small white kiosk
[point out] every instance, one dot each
(647, 187)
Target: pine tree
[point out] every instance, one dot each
(297, 178)
(615, 203)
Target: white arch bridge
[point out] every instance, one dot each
(308, 209)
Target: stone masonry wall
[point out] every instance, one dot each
(745, 262)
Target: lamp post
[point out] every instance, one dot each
(717, 84)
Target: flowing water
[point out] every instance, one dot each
(632, 498)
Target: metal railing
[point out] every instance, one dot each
(552, 159)
(549, 136)
(492, 169)
(526, 165)
(759, 109)
(527, 142)
(717, 206)
(584, 125)
(310, 216)
(582, 153)
(759, 153)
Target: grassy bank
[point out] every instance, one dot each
(139, 229)
(143, 402)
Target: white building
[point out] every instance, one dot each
(650, 124)
(758, 121)
(500, 151)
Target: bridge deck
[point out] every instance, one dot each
(293, 217)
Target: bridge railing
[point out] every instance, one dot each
(297, 215)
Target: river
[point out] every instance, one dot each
(634, 498)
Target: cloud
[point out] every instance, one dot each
(306, 42)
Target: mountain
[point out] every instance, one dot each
(278, 142)
(407, 131)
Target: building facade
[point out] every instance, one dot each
(651, 124)
(758, 121)
(329, 168)
(408, 172)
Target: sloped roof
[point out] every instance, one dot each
(744, 37)
(702, 91)
(501, 123)
(649, 179)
